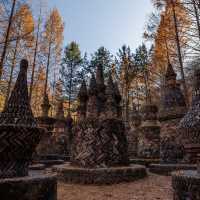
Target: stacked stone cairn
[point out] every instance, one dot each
(60, 133)
(172, 109)
(46, 122)
(186, 183)
(99, 144)
(189, 127)
(99, 138)
(19, 136)
(149, 133)
(132, 135)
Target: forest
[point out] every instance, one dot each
(171, 35)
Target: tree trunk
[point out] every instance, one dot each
(7, 39)
(34, 60)
(12, 69)
(47, 69)
(197, 16)
(179, 53)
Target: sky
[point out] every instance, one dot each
(108, 23)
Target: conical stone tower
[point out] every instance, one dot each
(19, 134)
(172, 109)
(173, 103)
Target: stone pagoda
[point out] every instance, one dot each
(189, 127)
(186, 183)
(149, 133)
(99, 139)
(133, 132)
(19, 136)
(172, 109)
(46, 122)
(99, 143)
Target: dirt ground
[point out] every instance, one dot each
(153, 187)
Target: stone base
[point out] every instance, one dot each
(167, 169)
(145, 162)
(37, 167)
(70, 174)
(50, 163)
(34, 187)
(186, 185)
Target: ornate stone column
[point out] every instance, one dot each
(172, 109)
(92, 104)
(149, 133)
(82, 102)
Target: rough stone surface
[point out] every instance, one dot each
(186, 185)
(82, 102)
(100, 144)
(172, 109)
(167, 169)
(149, 133)
(37, 187)
(189, 127)
(99, 140)
(111, 175)
(171, 150)
(153, 187)
(19, 134)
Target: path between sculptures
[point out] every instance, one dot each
(153, 187)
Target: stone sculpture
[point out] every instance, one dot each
(99, 140)
(172, 109)
(19, 134)
(189, 127)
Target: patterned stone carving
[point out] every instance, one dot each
(99, 140)
(101, 98)
(92, 104)
(82, 102)
(45, 105)
(186, 185)
(149, 133)
(189, 127)
(19, 133)
(173, 103)
(172, 109)
(171, 151)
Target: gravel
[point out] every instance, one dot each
(153, 187)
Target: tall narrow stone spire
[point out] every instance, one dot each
(118, 98)
(100, 76)
(170, 74)
(45, 106)
(100, 89)
(92, 105)
(60, 110)
(19, 134)
(82, 101)
(173, 103)
(111, 109)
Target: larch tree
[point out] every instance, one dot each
(52, 41)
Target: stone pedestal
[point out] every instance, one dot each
(19, 136)
(149, 133)
(186, 185)
(35, 187)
